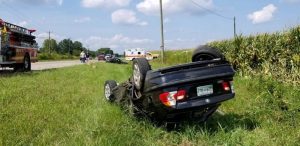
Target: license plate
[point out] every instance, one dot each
(205, 90)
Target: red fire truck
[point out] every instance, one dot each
(18, 48)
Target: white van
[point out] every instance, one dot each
(131, 54)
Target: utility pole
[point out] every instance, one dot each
(49, 39)
(234, 27)
(162, 32)
(69, 46)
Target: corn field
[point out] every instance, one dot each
(274, 55)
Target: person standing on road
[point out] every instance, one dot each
(82, 57)
(87, 57)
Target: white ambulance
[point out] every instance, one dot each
(131, 54)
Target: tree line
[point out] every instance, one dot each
(69, 47)
(64, 47)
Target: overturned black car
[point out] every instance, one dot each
(115, 60)
(188, 91)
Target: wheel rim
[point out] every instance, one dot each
(26, 63)
(107, 91)
(136, 75)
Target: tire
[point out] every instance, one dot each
(140, 68)
(118, 61)
(25, 66)
(109, 85)
(26, 63)
(203, 53)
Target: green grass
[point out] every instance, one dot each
(66, 107)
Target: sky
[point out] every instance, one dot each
(122, 24)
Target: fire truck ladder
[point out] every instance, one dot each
(16, 28)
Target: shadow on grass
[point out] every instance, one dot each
(226, 123)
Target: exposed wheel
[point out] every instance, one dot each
(140, 67)
(109, 85)
(203, 53)
(27, 63)
(119, 61)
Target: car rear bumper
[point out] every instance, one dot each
(196, 109)
(204, 101)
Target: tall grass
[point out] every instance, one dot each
(275, 55)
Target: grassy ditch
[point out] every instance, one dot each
(66, 107)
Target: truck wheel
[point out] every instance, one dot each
(140, 67)
(108, 87)
(203, 53)
(27, 63)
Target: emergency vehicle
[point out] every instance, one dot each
(131, 54)
(18, 48)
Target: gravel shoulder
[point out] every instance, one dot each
(54, 64)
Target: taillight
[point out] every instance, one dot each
(180, 95)
(226, 86)
(170, 98)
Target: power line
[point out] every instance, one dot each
(210, 11)
(22, 15)
(13, 11)
(217, 14)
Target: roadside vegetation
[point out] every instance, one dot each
(55, 56)
(275, 55)
(67, 49)
(67, 107)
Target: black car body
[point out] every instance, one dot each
(188, 91)
(203, 85)
(115, 60)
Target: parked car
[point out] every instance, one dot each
(188, 91)
(115, 60)
(108, 56)
(101, 57)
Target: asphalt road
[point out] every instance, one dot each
(48, 65)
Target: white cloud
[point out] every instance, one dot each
(43, 36)
(60, 2)
(23, 23)
(151, 7)
(181, 43)
(143, 23)
(166, 20)
(82, 20)
(104, 3)
(263, 15)
(124, 16)
(118, 42)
